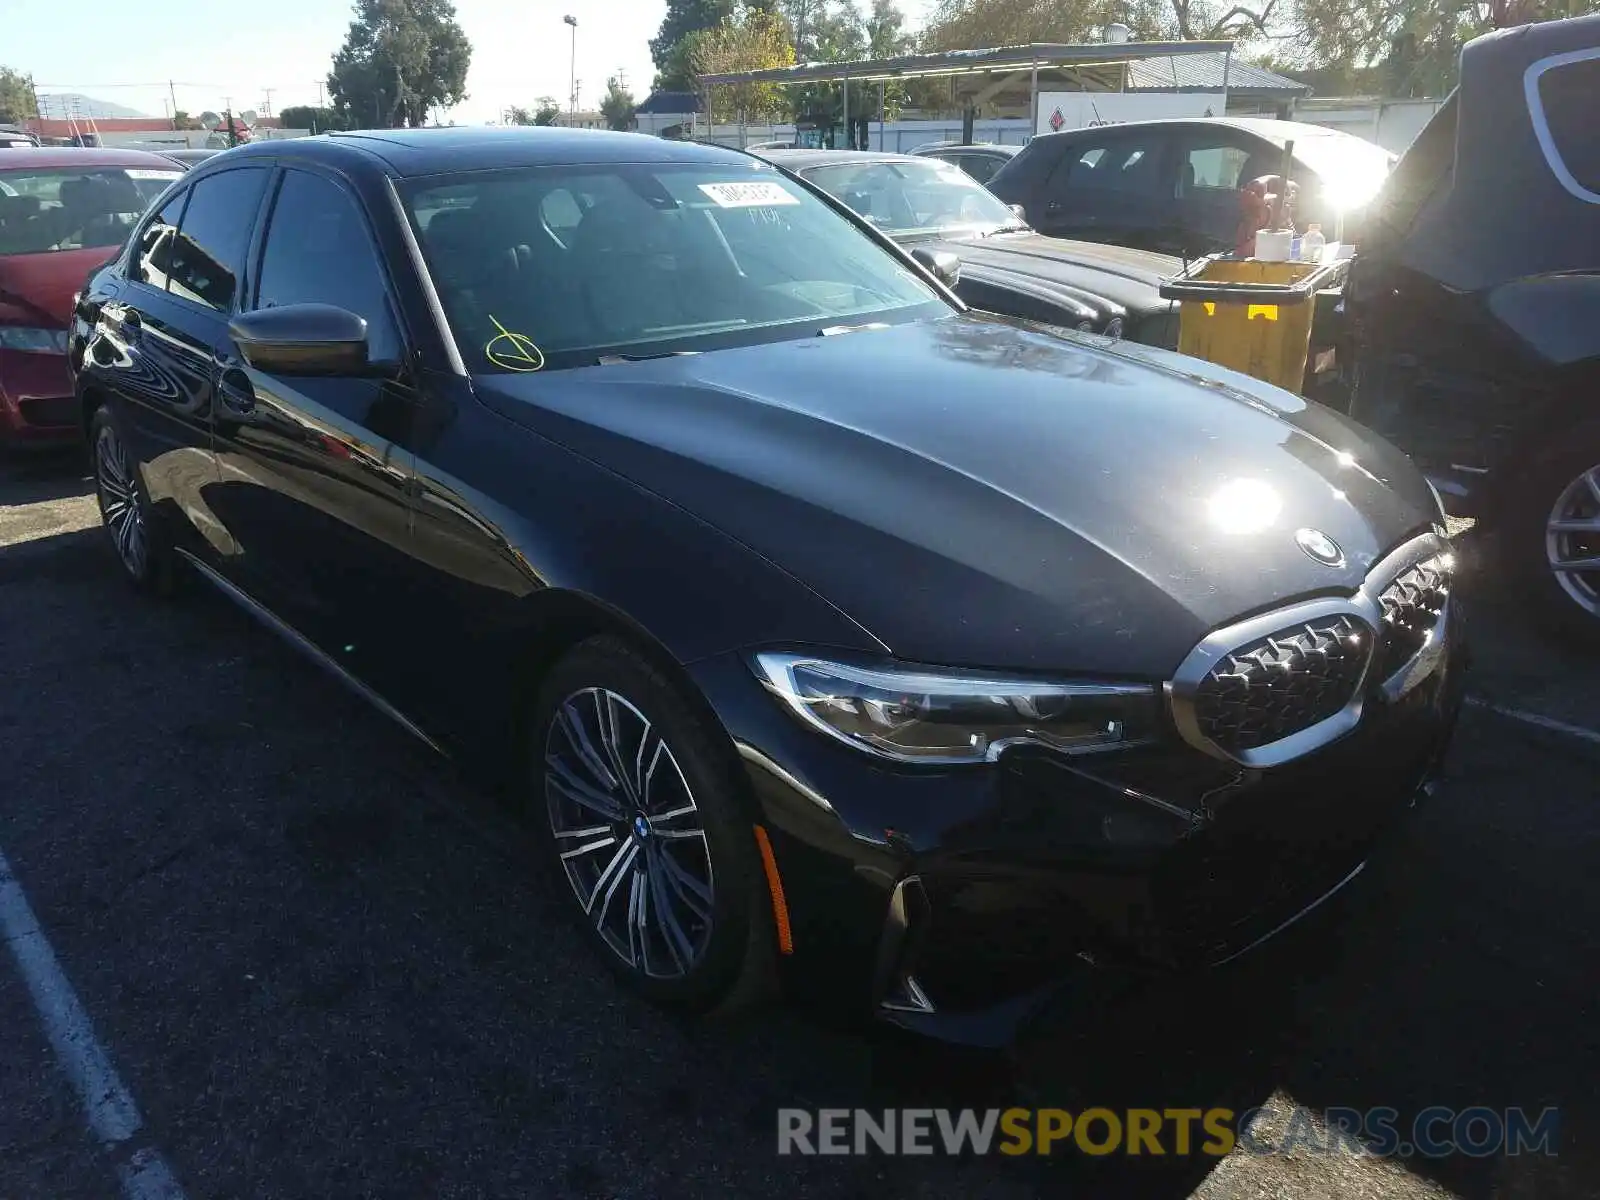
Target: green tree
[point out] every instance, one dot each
(16, 97)
(399, 59)
(182, 120)
(1412, 46)
(547, 112)
(751, 38)
(617, 107)
(309, 116)
(684, 18)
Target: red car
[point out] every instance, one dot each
(63, 212)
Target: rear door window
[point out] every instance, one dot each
(1125, 165)
(209, 252)
(1565, 103)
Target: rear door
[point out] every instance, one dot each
(160, 336)
(315, 470)
(1114, 186)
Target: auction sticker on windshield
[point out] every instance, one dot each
(747, 195)
(145, 173)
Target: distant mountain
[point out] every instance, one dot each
(60, 105)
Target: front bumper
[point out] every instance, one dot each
(945, 899)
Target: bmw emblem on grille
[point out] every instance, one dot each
(1319, 546)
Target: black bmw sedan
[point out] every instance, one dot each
(834, 636)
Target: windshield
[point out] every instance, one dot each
(915, 198)
(1352, 169)
(562, 266)
(56, 208)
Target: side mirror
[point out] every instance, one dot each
(946, 267)
(302, 339)
(1018, 211)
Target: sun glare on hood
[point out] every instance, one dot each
(1244, 506)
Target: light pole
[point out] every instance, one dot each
(572, 91)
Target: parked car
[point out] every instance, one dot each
(190, 156)
(980, 159)
(1173, 185)
(1476, 322)
(62, 214)
(14, 138)
(822, 623)
(936, 210)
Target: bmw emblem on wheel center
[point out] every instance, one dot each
(1319, 546)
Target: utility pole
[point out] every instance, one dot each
(267, 107)
(38, 113)
(172, 91)
(573, 95)
(322, 101)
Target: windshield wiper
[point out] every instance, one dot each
(1015, 227)
(607, 359)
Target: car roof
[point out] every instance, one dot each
(434, 151)
(1270, 128)
(804, 160)
(965, 147)
(31, 158)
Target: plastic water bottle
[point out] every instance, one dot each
(1312, 244)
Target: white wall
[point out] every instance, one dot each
(1077, 110)
(1392, 124)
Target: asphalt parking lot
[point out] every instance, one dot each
(320, 964)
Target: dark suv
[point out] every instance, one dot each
(1475, 318)
(1173, 186)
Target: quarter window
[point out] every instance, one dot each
(152, 257)
(1567, 98)
(319, 251)
(209, 250)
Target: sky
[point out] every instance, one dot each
(215, 54)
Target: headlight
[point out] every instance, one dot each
(917, 715)
(36, 341)
(1114, 327)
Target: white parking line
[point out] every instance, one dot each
(1533, 718)
(112, 1115)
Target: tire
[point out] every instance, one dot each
(634, 800)
(137, 540)
(1546, 524)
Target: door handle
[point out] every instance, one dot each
(235, 392)
(1053, 206)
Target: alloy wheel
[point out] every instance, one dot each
(628, 833)
(1572, 540)
(119, 502)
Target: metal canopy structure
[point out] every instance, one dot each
(971, 62)
(1002, 60)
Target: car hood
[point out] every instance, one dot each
(38, 288)
(1131, 278)
(975, 493)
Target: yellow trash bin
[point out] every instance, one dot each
(1252, 316)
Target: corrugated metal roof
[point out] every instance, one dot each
(961, 62)
(1204, 72)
